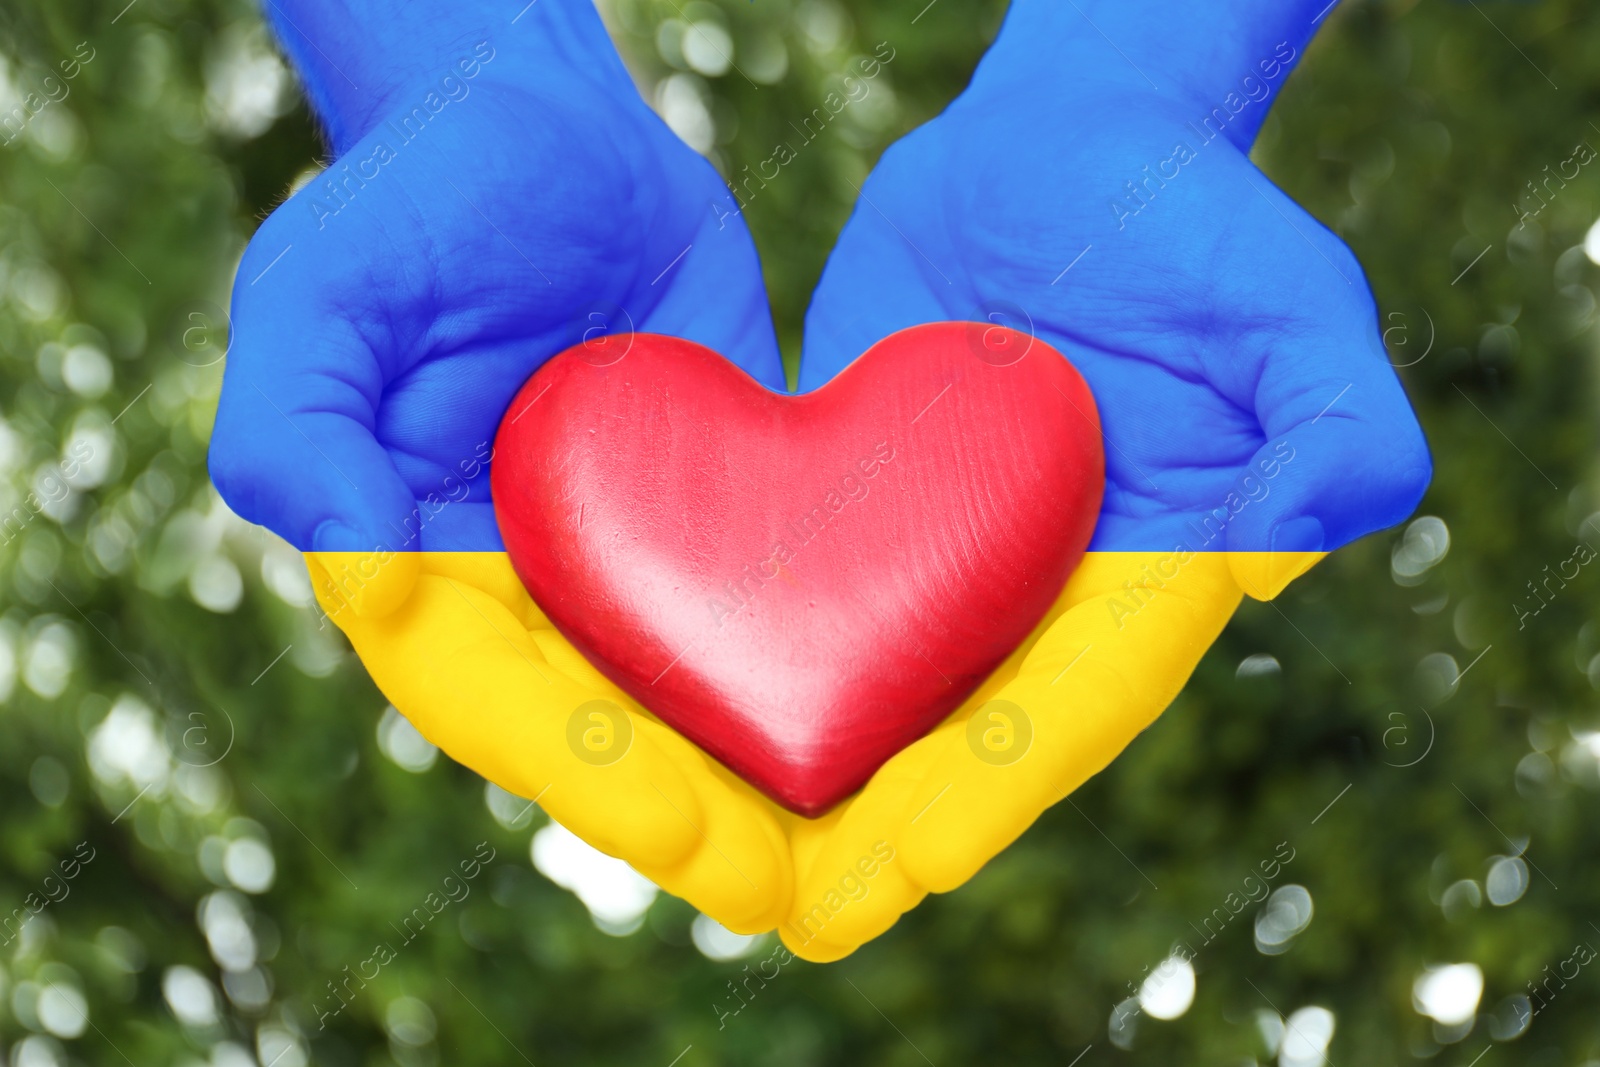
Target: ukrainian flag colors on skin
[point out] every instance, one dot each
(1215, 325)
(455, 642)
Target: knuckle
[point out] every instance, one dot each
(234, 471)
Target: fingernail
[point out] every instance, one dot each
(335, 536)
(1304, 534)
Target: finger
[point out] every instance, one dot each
(1228, 64)
(366, 583)
(720, 259)
(742, 845)
(461, 666)
(1131, 630)
(293, 447)
(1343, 454)
(849, 885)
(877, 279)
(741, 874)
(946, 805)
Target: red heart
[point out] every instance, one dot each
(801, 585)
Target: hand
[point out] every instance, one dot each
(473, 225)
(501, 193)
(479, 670)
(1252, 420)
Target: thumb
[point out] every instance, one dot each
(293, 447)
(1343, 457)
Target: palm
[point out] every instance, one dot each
(1210, 332)
(409, 310)
(1216, 322)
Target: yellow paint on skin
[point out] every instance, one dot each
(458, 646)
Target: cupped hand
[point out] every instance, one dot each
(497, 197)
(1252, 421)
(471, 227)
(476, 666)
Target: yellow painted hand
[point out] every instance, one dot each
(471, 661)
(477, 668)
(1112, 654)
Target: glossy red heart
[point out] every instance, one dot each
(801, 585)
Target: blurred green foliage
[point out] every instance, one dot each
(172, 708)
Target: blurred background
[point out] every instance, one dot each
(1365, 834)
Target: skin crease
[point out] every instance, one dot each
(417, 295)
(375, 351)
(1213, 324)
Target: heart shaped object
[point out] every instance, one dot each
(801, 585)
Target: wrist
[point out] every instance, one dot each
(361, 59)
(1192, 54)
